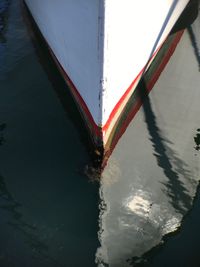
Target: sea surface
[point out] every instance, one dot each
(144, 211)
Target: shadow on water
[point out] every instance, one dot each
(194, 44)
(197, 140)
(167, 159)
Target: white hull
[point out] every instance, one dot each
(104, 45)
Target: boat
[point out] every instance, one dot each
(105, 50)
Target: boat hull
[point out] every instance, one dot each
(105, 130)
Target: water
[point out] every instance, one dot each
(51, 214)
(48, 209)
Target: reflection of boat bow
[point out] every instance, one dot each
(102, 48)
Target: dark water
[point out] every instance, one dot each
(49, 210)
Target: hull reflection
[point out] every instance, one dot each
(145, 198)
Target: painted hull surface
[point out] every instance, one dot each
(102, 49)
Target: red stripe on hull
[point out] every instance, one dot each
(82, 103)
(139, 102)
(119, 103)
(165, 60)
(97, 130)
(78, 97)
